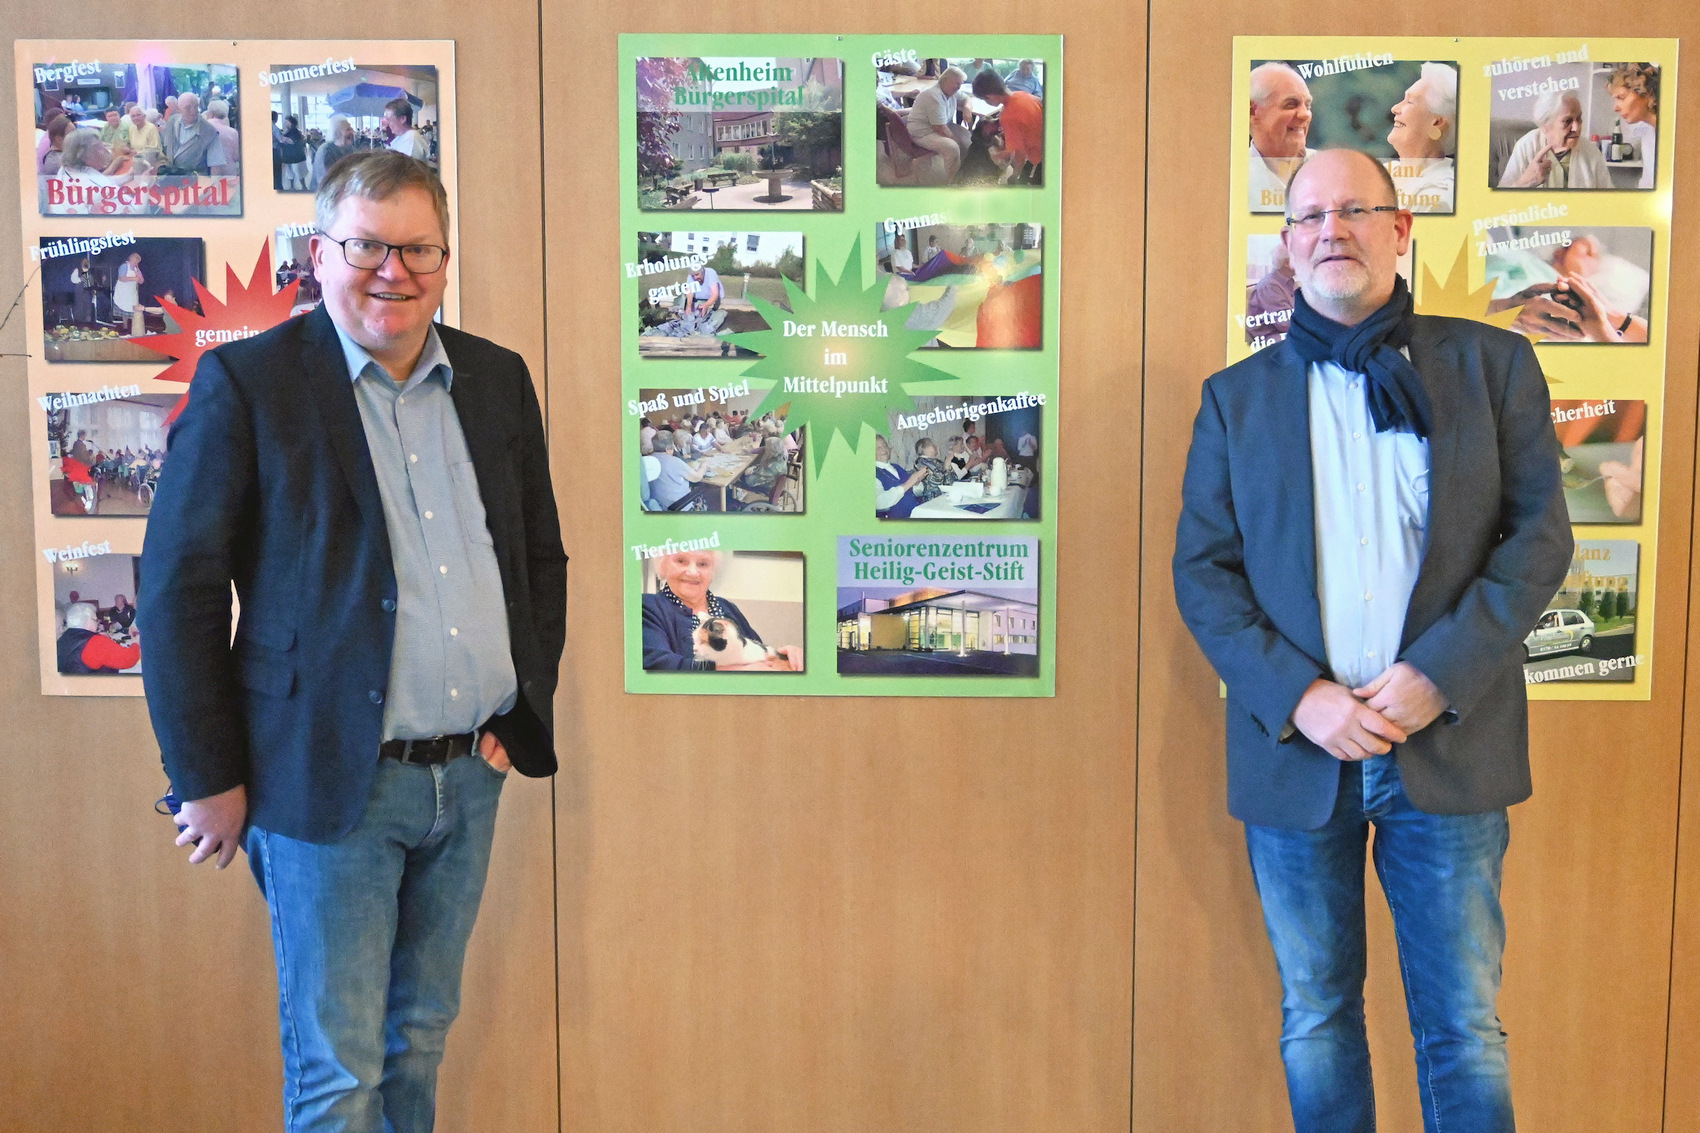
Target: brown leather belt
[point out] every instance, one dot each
(437, 749)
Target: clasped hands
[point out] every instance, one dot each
(1355, 724)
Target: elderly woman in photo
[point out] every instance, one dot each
(1425, 138)
(682, 602)
(1634, 90)
(1555, 155)
(88, 163)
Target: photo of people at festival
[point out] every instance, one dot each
(960, 122)
(978, 286)
(896, 618)
(960, 458)
(714, 611)
(137, 139)
(700, 452)
(97, 296)
(320, 115)
(1573, 284)
(293, 257)
(1575, 125)
(732, 133)
(1402, 113)
(694, 289)
(94, 611)
(1270, 286)
(104, 457)
(1605, 444)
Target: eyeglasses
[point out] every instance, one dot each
(1350, 214)
(370, 255)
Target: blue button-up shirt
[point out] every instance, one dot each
(450, 667)
(1371, 494)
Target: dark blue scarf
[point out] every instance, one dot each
(1397, 399)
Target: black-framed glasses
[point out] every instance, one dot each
(369, 255)
(1351, 214)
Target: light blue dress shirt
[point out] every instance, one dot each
(450, 667)
(1371, 494)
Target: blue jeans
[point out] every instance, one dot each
(1441, 875)
(370, 934)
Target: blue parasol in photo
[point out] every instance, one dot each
(366, 100)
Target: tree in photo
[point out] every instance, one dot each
(814, 139)
(657, 79)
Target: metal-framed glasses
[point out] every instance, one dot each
(369, 255)
(1350, 214)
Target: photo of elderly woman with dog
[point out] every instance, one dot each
(688, 626)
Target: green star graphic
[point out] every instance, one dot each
(815, 355)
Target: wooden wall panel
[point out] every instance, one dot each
(1588, 879)
(140, 993)
(909, 915)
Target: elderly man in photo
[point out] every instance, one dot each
(398, 122)
(1374, 663)
(935, 121)
(143, 135)
(376, 486)
(193, 142)
(1280, 123)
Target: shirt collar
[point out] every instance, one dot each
(434, 356)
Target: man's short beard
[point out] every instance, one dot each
(1318, 286)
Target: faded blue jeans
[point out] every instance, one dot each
(370, 934)
(1441, 875)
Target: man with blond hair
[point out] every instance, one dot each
(376, 487)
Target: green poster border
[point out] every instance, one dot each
(839, 500)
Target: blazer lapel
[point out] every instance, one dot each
(1288, 447)
(1439, 380)
(333, 389)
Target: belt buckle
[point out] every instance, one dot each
(407, 750)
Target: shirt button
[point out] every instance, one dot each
(1354, 385)
(453, 632)
(454, 694)
(375, 697)
(442, 570)
(401, 401)
(1368, 596)
(428, 515)
(389, 605)
(1357, 436)
(1363, 542)
(413, 458)
(1360, 487)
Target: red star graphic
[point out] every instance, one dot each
(246, 311)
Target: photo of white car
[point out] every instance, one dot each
(1560, 631)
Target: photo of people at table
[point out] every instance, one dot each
(1270, 287)
(317, 120)
(688, 310)
(1576, 125)
(138, 139)
(977, 286)
(729, 133)
(94, 610)
(951, 459)
(717, 455)
(1605, 445)
(1402, 113)
(714, 611)
(104, 458)
(960, 122)
(292, 262)
(1573, 284)
(94, 304)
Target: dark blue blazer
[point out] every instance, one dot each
(667, 641)
(269, 485)
(1498, 547)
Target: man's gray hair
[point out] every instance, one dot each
(1551, 104)
(662, 441)
(218, 108)
(81, 615)
(188, 96)
(1261, 76)
(377, 175)
(961, 75)
(74, 150)
(1442, 84)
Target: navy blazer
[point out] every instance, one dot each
(667, 640)
(1498, 547)
(269, 484)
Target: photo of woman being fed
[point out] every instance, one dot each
(689, 628)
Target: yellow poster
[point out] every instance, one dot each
(1533, 171)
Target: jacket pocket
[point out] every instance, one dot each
(273, 676)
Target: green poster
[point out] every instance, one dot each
(839, 396)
